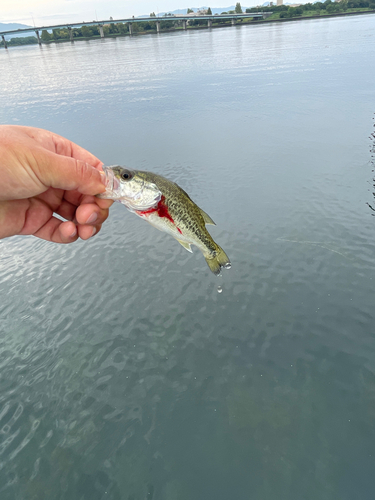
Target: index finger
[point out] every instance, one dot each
(67, 148)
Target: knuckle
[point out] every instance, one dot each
(82, 169)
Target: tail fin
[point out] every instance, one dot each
(218, 260)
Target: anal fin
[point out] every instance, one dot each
(185, 245)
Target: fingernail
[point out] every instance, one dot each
(92, 218)
(93, 231)
(73, 233)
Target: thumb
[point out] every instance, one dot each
(63, 172)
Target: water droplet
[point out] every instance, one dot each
(219, 289)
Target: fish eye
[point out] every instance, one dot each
(126, 175)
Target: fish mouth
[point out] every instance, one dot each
(112, 184)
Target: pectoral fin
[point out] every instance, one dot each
(185, 245)
(207, 219)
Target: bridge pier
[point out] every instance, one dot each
(101, 31)
(38, 37)
(130, 26)
(209, 23)
(5, 42)
(233, 21)
(70, 33)
(184, 24)
(158, 26)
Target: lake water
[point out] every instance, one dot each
(124, 375)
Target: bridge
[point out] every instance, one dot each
(129, 21)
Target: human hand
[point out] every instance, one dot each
(42, 174)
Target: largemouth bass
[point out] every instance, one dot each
(167, 207)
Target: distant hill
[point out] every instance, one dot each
(14, 26)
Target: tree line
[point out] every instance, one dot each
(23, 40)
(327, 7)
(116, 29)
(108, 29)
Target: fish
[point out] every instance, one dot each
(166, 206)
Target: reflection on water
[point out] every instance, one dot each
(124, 374)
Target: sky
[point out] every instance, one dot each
(48, 12)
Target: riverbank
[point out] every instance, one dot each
(217, 23)
(314, 16)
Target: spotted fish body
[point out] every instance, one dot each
(167, 207)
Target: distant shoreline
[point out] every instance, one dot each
(282, 20)
(322, 16)
(194, 28)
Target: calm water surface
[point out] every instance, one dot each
(124, 374)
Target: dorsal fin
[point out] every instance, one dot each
(207, 219)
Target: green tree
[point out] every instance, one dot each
(152, 14)
(344, 5)
(136, 27)
(190, 11)
(86, 31)
(238, 9)
(164, 25)
(45, 36)
(209, 11)
(20, 41)
(112, 29)
(60, 34)
(149, 26)
(122, 28)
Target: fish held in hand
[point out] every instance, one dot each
(167, 207)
